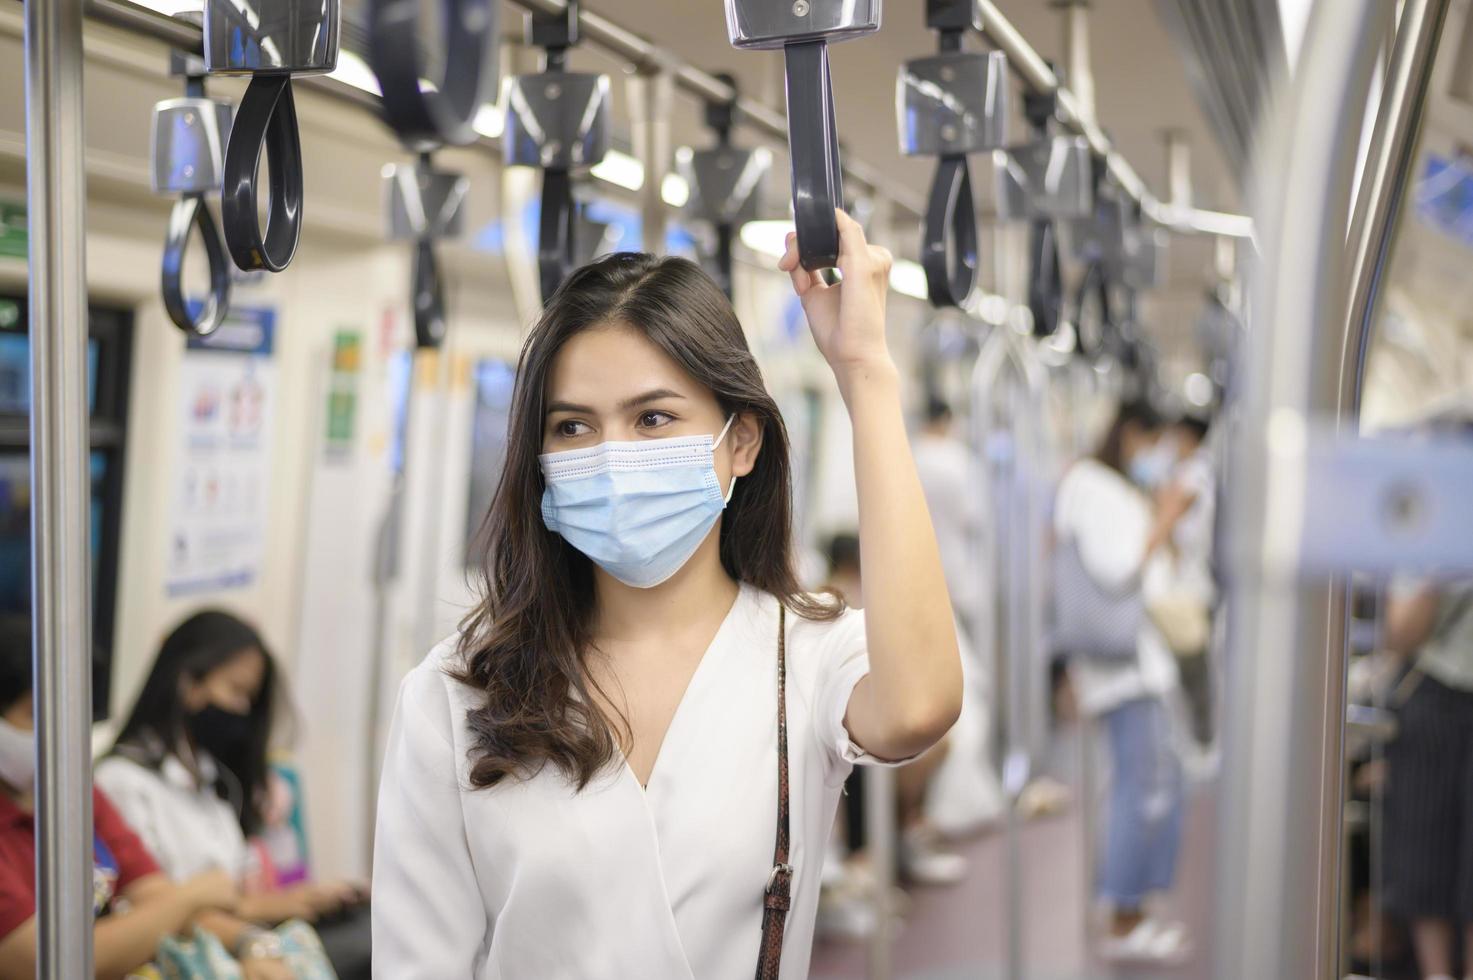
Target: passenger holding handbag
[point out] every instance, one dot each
(1107, 559)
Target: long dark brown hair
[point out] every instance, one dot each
(158, 722)
(1133, 414)
(523, 647)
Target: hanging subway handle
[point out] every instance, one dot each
(813, 142)
(1045, 283)
(191, 212)
(429, 296)
(424, 118)
(267, 120)
(949, 246)
(270, 40)
(1094, 287)
(187, 138)
(556, 242)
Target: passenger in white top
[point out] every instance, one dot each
(584, 783)
(1102, 510)
(954, 497)
(189, 773)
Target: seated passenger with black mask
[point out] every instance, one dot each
(136, 906)
(189, 771)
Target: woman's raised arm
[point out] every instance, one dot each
(913, 693)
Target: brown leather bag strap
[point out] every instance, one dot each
(779, 891)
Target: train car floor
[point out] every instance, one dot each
(959, 933)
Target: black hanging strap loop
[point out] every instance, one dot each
(1045, 281)
(191, 212)
(949, 244)
(266, 119)
(447, 115)
(813, 139)
(555, 238)
(1094, 286)
(429, 297)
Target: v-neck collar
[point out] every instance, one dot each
(738, 605)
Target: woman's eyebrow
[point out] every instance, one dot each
(645, 398)
(649, 396)
(555, 407)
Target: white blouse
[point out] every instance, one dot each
(534, 879)
(184, 824)
(1110, 521)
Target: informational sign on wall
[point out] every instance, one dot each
(342, 393)
(226, 382)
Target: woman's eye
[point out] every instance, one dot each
(570, 428)
(652, 420)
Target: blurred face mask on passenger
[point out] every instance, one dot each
(17, 756)
(1151, 467)
(639, 510)
(218, 731)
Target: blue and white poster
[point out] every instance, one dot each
(226, 388)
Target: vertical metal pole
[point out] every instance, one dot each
(1279, 868)
(60, 557)
(1393, 152)
(649, 105)
(881, 832)
(999, 368)
(1375, 222)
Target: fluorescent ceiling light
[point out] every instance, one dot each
(621, 169)
(675, 190)
(908, 279)
(490, 121)
(353, 70)
(767, 237)
(171, 7)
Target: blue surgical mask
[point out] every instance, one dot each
(1151, 467)
(639, 510)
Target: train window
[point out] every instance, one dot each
(494, 379)
(108, 353)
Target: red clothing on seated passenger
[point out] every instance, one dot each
(130, 860)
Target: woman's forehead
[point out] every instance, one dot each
(609, 363)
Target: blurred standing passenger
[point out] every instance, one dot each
(922, 857)
(1429, 783)
(953, 495)
(1104, 514)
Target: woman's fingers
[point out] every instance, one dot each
(804, 282)
(853, 249)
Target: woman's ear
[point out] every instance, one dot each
(746, 443)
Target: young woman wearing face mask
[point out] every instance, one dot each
(136, 906)
(189, 772)
(585, 782)
(1104, 511)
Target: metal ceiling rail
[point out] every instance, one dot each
(1037, 75)
(644, 55)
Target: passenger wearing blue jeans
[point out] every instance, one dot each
(1104, 510)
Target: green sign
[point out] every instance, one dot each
(342, 392)
(13, 238)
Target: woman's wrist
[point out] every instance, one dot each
(872, 375)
